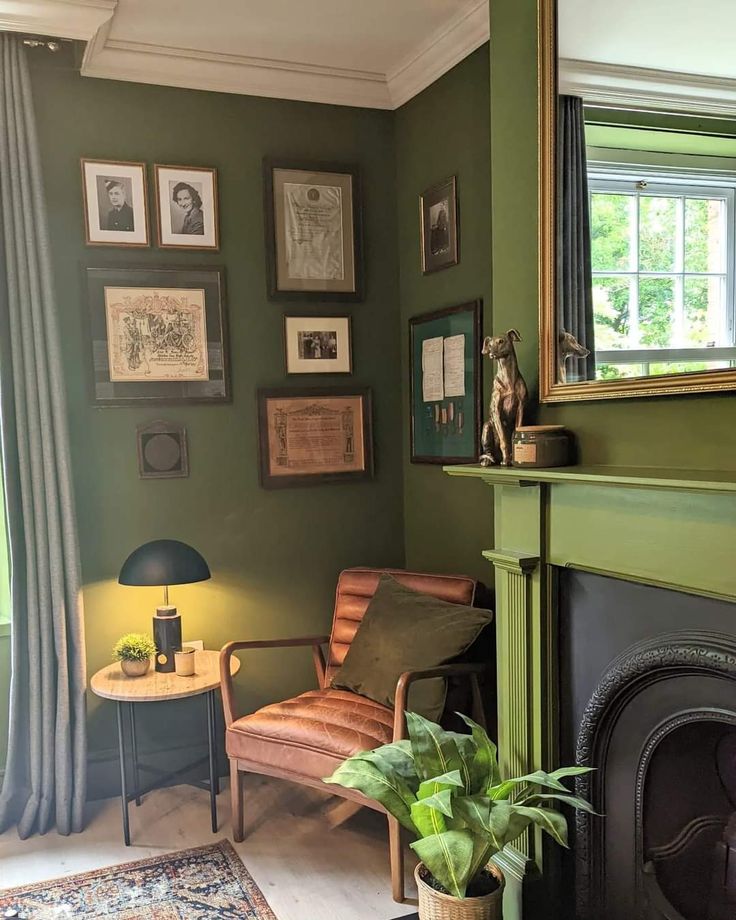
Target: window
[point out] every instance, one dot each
(663, 271)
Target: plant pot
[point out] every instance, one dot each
(135, 668)
(433, 905)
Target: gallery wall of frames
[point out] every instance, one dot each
(158, 334)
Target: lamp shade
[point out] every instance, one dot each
(164, 562)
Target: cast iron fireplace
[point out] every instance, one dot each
(659, 726)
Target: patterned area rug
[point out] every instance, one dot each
(207, 881)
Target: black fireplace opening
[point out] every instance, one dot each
(648, 698)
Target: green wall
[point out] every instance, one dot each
(441, 132)
(274, 555)
(697, 432)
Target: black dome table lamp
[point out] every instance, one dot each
(164, 563)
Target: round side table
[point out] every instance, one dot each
(155, 687)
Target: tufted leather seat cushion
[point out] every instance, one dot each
(310, 734)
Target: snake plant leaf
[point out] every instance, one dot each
(388, 789)
(484, 769)
(573, 800)
(571, 771)
(449, 780)
(449, 857)
(435, 751)
(430, 814)
(485, 817)
(550, 821)
(538, 778)
(396, 757)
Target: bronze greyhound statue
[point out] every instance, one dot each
(508, 399)
(568, 347)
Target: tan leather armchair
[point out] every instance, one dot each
(305, 738)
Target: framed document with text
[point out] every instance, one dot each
(445, 384)
(313, 436)
(313, 231)
(158, 335)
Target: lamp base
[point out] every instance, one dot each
(167, 637)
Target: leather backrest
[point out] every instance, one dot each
(355, 588)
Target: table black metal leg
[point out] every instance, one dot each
(134, 749)
(213, 766)
(215, 722)
(123, 779)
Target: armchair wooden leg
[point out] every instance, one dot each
(236, 796)
(396, 852)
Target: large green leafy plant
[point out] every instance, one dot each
(446, 789)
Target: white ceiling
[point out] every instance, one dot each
(670, 54)
(375, 53)
(685, 36)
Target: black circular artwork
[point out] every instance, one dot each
(162, 453)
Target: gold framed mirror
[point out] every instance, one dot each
(637, 199)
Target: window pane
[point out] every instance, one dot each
(656, 309)
(705, 235)
(657, 233)
(617, 371)
(611, 228)
(611, 310)
(705, 312)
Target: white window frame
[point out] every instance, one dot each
(617, 178)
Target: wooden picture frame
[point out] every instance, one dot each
(445, 384)
(158, 335)
(439, 226)
(186, 207)
(313, 226)
(318, 344)
(291, 421)
(115, 199)
(162, 451)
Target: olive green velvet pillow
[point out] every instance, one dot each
(403, 630)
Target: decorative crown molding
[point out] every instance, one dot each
(77, 19)
(140, 62)
(643, 87)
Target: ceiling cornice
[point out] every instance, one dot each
(227, 73)
(642, 87)
(76, 19)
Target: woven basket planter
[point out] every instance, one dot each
(433, 905)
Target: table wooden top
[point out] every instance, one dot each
(112, 684)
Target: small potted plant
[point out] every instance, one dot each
(445, 788)
(134, 652)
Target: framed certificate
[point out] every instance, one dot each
(445, 384)
(313, 231)
(313, 436)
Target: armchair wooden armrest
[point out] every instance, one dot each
(226, 652)
(470, 671)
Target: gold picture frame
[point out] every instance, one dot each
(115, 201)
(187, 212)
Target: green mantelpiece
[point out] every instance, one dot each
(673, 528)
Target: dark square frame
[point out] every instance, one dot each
(281, 482)
(274, 292)
(105, 392)
(475, 310)
(430, 196)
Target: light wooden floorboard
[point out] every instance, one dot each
(305, 870)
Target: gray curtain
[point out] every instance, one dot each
(45, 771)
(574, 281)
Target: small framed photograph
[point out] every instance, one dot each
(318, 344)
(158, 335)
(115, 204)
(313, 436)
(162, 451)
(186, 205)
(445, 384)
(439, 226)
(313, 231)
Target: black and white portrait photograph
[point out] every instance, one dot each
(115, 203)
(439, 226)
(318, 344)
(186, 199)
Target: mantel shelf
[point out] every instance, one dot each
(629, 477)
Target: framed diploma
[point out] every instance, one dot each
(313, 231)
(313, 436)
(445, 384)
(157, 335)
